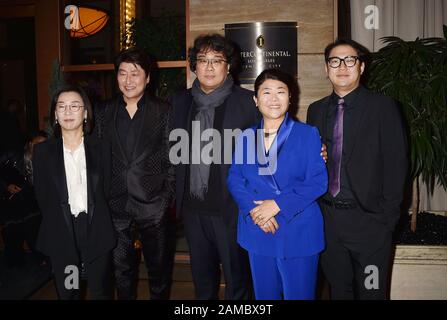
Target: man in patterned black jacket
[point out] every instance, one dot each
(139, 178)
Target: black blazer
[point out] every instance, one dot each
(377, 157)
(56, 238)
(144, 183)
(240, 113)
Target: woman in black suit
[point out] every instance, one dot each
(76, 231)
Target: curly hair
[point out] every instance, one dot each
(213, 42)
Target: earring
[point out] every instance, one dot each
(55, 121)
(85, 120)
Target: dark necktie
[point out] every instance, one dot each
(337, 148)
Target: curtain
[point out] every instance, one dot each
(406, 19)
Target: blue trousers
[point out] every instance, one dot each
(288, 279)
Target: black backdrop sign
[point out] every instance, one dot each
(265, 45)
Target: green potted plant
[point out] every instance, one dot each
(415, 74)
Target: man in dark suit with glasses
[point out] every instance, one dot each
(367, 164)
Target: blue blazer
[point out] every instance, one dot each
(300, 178)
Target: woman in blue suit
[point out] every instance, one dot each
(276, 176)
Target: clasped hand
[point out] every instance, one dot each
(264, 214)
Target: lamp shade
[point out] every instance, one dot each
(87, 22)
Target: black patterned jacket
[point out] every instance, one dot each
(144, 185)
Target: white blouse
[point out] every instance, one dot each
(76, 175)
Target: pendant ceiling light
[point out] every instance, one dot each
(85, 22)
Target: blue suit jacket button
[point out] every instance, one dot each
(278, 192)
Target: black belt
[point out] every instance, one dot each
(340, 204)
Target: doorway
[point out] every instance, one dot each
(18, 71)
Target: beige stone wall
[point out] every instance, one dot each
(316, 28)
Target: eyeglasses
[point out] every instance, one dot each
(335, 62)
(214, 62)
(72, 107)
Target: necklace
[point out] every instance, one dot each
(270, 134)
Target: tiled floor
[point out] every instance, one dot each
(182, 287)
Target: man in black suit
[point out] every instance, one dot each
(208, 211)
(140, 183)
(367, 168)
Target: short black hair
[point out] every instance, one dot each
(135, 56)
(40, 133)
(35, 134)
(87, 125)
(289, 80)
(273, 74)
(362, 52)
(213, 42)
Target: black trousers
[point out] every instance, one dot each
(15, 233)
(356, 261)
(95, 275)
(98, 279)
(158, 255)
(211, 242)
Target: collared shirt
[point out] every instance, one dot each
(76, 176)
(348, 125)
(129, 128)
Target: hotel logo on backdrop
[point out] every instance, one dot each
(260, 42)
(265, 45)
